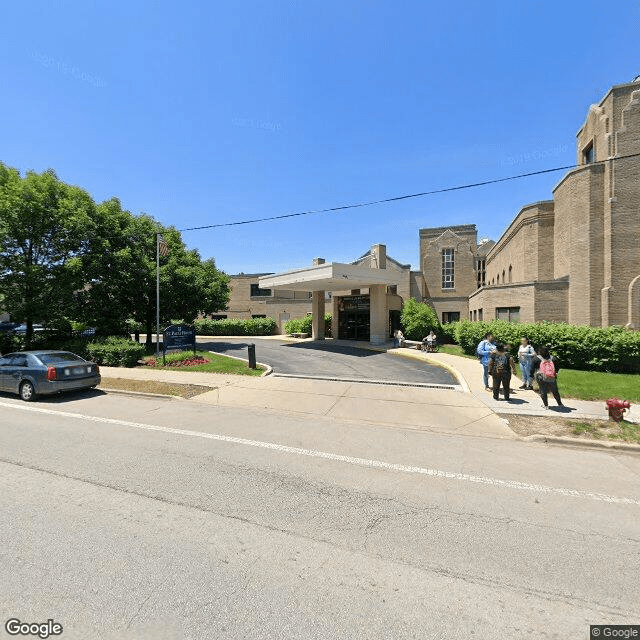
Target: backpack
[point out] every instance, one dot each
(547, 370)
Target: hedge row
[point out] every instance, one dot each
(613, 349)
(249, 327)
(303, 325)
(116, 352)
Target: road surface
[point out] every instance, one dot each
(147, 518)
(327, 359)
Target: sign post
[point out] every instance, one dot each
(178, 336)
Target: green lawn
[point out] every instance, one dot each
(596, 385)
(582, 385)
(216, 364)
(455, 350)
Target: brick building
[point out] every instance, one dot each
(574, 258)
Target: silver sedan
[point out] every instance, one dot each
(33, 373)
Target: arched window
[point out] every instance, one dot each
(503, 279)
(498, 279)
(510, 273)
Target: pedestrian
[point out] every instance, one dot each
(501, 366)
(546, 367)
(526, 354)
(398, 338)
(483, 351)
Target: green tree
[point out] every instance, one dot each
(418, 319)
(45, 226)
(121, 269)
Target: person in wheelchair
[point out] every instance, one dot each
(430, 343)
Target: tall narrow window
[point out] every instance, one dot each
(481, 272)
(447, 269)
(587, 154)
(510, 273)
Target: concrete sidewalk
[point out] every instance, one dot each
(523, 402)
(438, 410)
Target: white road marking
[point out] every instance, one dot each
(361, 462)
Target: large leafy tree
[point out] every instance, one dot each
(121, 269)
(45, 226)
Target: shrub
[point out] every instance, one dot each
(613, 349)
(248, 327)
(116, 352)
(303, 325)
(9, 342)
(448, 332)
(418, 319)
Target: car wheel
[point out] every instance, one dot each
(27, 392)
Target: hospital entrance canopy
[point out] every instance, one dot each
(330, 276)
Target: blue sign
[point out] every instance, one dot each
(178, 336)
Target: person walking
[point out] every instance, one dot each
(501, 367)
(547, 368)
(484, 350)
(398, 338)
(526, 354)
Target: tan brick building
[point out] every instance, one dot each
(574, 258)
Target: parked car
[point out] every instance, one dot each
(8, 326)
(34, 373)
(22, 328)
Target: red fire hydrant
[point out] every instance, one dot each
(616, 408)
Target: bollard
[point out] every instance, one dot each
(252, 356)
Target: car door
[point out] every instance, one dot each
(14, 372)
(4, 363)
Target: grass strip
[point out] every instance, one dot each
(153, 386)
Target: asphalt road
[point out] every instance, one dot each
(326, 359)
(150, 518)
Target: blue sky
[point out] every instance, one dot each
(207, 112)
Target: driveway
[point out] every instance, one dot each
(330, 360)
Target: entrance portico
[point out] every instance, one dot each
(342, 279)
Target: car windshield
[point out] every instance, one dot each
(59, 358)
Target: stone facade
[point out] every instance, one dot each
(575, 258)
(279, 305)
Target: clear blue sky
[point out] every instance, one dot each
(207, 112)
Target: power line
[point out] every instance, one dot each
(404, 197)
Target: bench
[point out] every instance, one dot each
(416, 344)
(299, 335)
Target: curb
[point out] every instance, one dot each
(452, 370)
(590, 444)
(268, 370)
(389, 383)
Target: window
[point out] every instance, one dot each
(511, 314)
(450, 316)
(258, 315)
(481, 271)
(256, 291)
(587, 154)
(479, 315)
(510, 273)
(219, 317)
(503, 278)
(447, 269)
(393, 289)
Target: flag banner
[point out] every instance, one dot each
(163, 247)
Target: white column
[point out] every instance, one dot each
(379, 314)
(317, 310)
